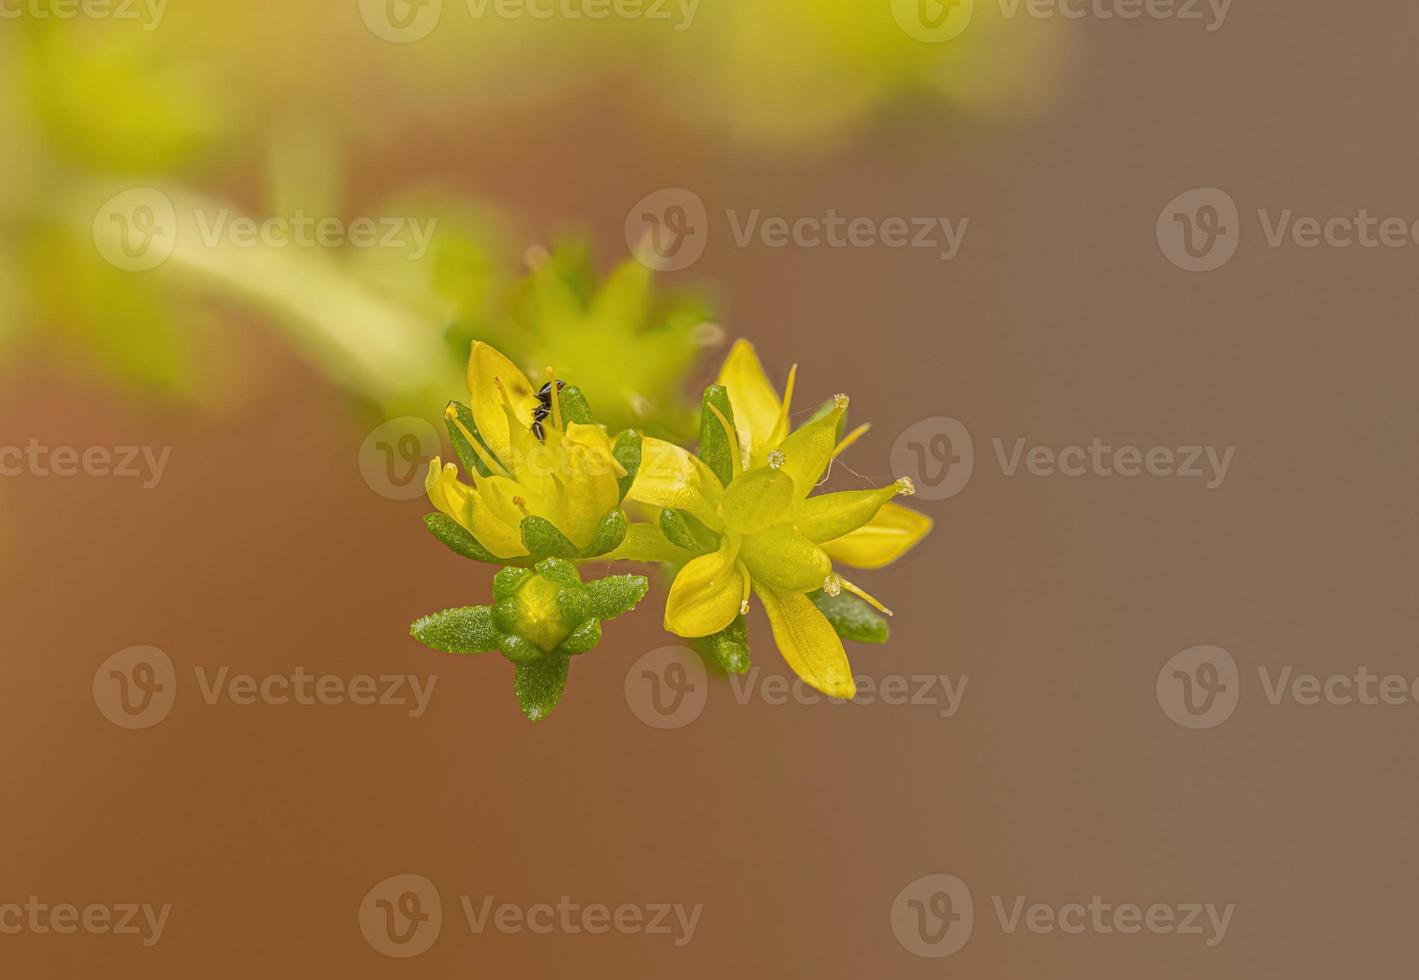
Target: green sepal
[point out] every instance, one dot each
(541, 537)
(574, 604)
(506, 613)
(609, 534)
(455, 538)
(853, 618)
(560, 571)
(508, 581)
(520, 651)
(466, 630)
(685, 530)
(540, 683)
(575, 407)
(583, 638)
(627, 451)
(715, 449)
(729, 648)
(471, 461)
(616, 594)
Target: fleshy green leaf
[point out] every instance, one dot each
(609, 534)
(583, 638)
(560, 571)
(854, 619)
(616, 594)
(541, 537)
(627, 451)
(467, 630)
(685, 530)
(457, 539)
(508, 581)
(715, 449)
(540, 684)
(575, 407)
(519, 651)
(729, 648)
(575, 605)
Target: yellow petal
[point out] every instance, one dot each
(809, 450)
(486, 366)
(499, 518)
(783, 559)
(588, 478)
(646, 542)
(706, 594)
(470, 509)
(755, 402)
(671, 477)
(889, 535)
(831, 515)
(808, 642)
(755, 500)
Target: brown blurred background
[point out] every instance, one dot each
(797, 826)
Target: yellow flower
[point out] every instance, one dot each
(775, 538)
(570, 480)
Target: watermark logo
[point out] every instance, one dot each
(1199, 231)
(136, 231)
(933, 21)
(937, 454)
(401, 917)
(401, 21)
(933, 917)
(394, 458)
(668, 230)
(135, 688)
(667, 688)
(1200, 687)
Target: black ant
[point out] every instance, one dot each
(543, 409)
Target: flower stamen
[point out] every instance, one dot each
(493, 464)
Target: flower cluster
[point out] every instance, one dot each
(735, 519)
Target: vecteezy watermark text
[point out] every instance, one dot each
(145, 921)
(669, 230)
(935, 916)
(406, 21)
(938, 454)
(402, 917)
(136, 688)
(150, 12)
(146, 463)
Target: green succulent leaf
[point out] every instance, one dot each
(467, 630)
(616, 594)
(685, 530)
(575, 407)
(560, 571)
(574, 604)
(715, 449)
(540, 683)
(471, 461)
(508, 581)
(541, 537)
(627, 450)
(457, 539)
(853, 618)
(519, 651)
(583, 639)
(729, 648)
(609, 534)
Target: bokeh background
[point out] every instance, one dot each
(266, 546)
